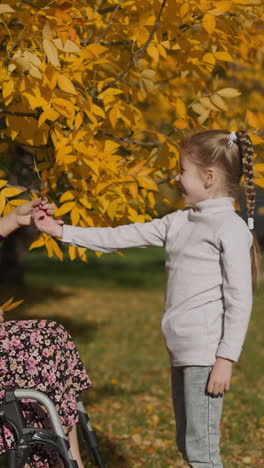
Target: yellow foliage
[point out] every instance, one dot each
(103, 102)
(10, 305)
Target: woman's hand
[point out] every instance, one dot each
(2, 317)
(45, 223)
(22, 215)
(220, 377)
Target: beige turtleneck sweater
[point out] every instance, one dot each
(209, 293)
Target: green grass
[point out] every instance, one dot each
(112, 307)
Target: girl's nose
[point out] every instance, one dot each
(177, 177)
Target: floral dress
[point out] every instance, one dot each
(40, 355)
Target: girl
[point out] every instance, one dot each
(209, 252)
(40, 355)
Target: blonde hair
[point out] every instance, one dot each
(211, 148)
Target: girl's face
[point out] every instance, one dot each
(190, 181)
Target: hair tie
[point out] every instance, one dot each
(250, 222)
(232, 138)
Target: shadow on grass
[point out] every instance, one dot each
(84, 330)
(110, 454)
(133, 270)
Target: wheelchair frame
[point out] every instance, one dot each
(27, 437)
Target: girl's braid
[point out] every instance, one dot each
(246, 153)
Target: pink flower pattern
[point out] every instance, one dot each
(41, 355)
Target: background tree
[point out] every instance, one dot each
(99, 96)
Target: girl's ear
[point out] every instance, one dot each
(209, 177)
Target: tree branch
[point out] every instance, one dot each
(117, 43)
(107, 10)
(99, 38)
(20, 114)
(140, 52)
(146, 144)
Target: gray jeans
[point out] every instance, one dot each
(197, 416)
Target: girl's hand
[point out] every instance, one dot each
(220, 377)
(2, 317)
(45, 223)
(23, 213)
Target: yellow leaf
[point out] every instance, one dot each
(147, 183)
(180, 108)
(8, 88)
(256, 140)
(67, 196)
(5, 8)
(2, 183)
(259, 167)
(64, 107)
(206, 102)
(82, 255)
(202, 118)
(78, 120)
(50, 77)
(48, 245)
(180, 124)
(111, 146)
(110, 92)
(14, 305)
(65, 208)
(2, 203)
(218, 102)
(198, 108)
(209, 23)
(252, 119)
(114, 114)
(37, 243)
(34, 71)
(66, 85)
(95, 49)
(223, 56)
(153, 52)
(259, 181)
(50, 114)
(71, 47)
(72, 250)
(56, 249)
(75, 216)
(6, 304)
(221, 7)
(148, 74)
(185, 8)
(98, 110)
(16, 202)
(51, 52)
(228, 92)
(48, 30)
(135, 169)
(209, 58)
(11, 192)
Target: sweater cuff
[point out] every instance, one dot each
(224, 351)
(67, 235)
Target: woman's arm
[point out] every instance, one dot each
(22, 215)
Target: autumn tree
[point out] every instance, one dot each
(99, 94)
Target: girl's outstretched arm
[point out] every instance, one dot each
(108, 239)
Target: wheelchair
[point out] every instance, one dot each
(55, 438)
